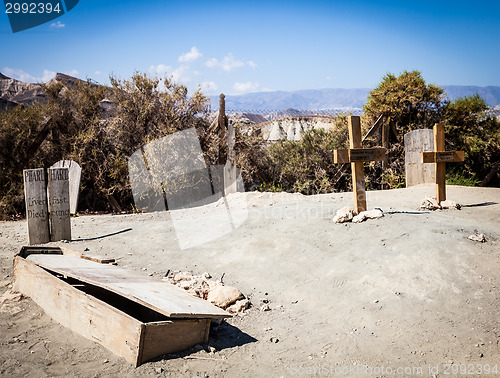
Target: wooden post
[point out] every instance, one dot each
(35, 195)
(440, 157)
(358, 173)
(58, 192)
(222, 121)
(440, 167)
(356, 155)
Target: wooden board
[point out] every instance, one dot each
(443, 157)
(75, 174)
(152, 293)
(90, 317)
(58, 196)
(416, 142)
(359, 155)
(172, 336)
(35, 196)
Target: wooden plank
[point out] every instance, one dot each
(439, 146)
(82, 313)
(59, 213)
(443, 157)
(158, 295)
(341, 156)
(172, 336)
(359, 154)
(358, 174)
(75, 174)
(367, 154)
(35, 196)
(416, 142)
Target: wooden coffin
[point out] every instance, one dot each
(137, 317)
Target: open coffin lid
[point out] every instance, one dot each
(150, 292)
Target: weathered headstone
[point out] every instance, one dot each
(75, 174)
(35, 195)
(416, 142)
(58, 195)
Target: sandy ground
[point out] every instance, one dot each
(395, 295)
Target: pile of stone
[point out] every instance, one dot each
(430, 203)
(346, 214)
(228, 298)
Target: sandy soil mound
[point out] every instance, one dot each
(407, 291)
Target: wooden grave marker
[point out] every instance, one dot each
(59, 213)
(35, 195)
(75, 174)
(416, 142)
(440, 157)
(356, 155)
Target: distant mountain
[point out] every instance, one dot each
(331, 99)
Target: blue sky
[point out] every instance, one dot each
(250, 46)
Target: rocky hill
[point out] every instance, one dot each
(14, 92)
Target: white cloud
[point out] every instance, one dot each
(19, 74)
(97, 73)
(208, 87)
(252, 64)
(191, 56)
(246, 87)
(228, 63)
(57, 25)
(74, 73)
(180, 74)
(159, 70)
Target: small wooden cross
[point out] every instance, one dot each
(440, 157)
(356, 155)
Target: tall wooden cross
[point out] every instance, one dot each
(356, 155)
(440, 157)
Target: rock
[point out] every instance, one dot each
(274, 340)
(4, 283)
(10, 296)
(182, 276)
(211, 349)
(429, 203)
(343, 215)
(223, 296)
(198, 347)
(449, 204)
(265, 307)
(239, 306)
(158, 370)
(369, 214)
(477, 237)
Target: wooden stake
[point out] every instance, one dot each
(356, 155)
(440, 157)
(358, 173)
(440, 167)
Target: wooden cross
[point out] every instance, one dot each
(440, 157)
(356, 155)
